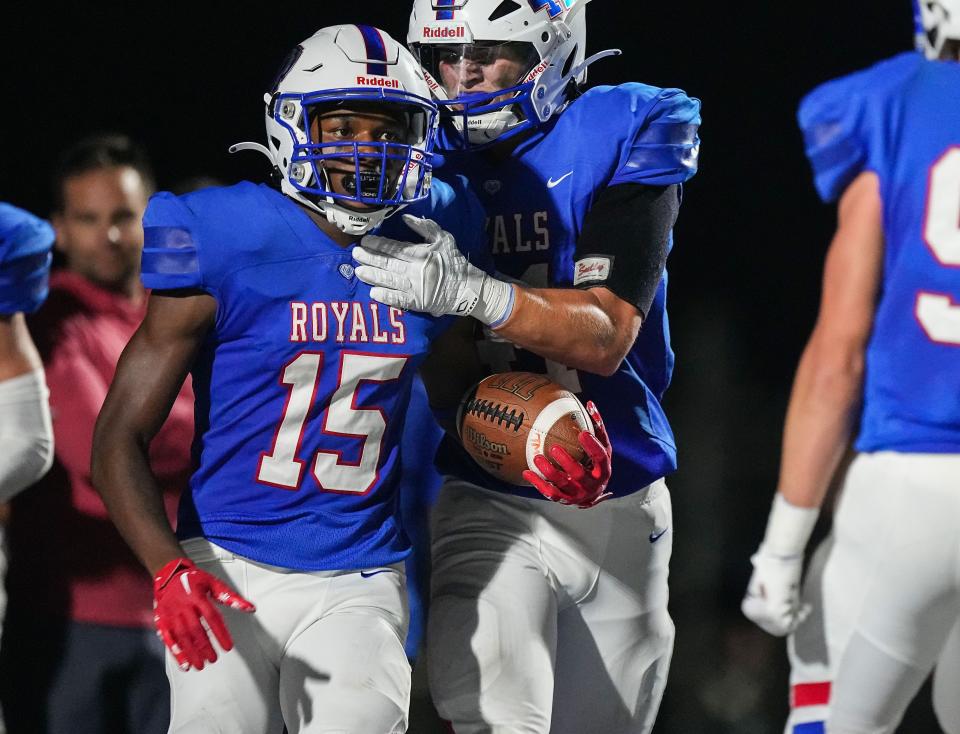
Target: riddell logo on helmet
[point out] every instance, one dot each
(445, 32)
(378, 81)
(537, 71)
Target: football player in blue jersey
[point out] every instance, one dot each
(302, 381)
(545, 617)
(26, 432)
(882, 593)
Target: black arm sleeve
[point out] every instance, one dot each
(624, 241)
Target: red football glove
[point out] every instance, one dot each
(568, 481)
(182, 612)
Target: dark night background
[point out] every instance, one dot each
(187, 80)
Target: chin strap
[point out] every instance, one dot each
(487, 127)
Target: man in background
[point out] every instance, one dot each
(80, 654)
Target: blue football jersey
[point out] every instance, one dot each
(302, 385)
(25, 255)
(901, 120)
(536, 200)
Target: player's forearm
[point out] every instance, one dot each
(820, 418)
(122, 476)
(18, 355)
(569, 327)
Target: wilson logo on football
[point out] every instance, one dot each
(378, 81)
(485, 444)
(445, 32)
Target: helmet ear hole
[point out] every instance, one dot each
(503, 9)
(568, 64)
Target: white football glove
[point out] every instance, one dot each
(772, 600)
(433, 277)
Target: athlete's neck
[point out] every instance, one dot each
(503, 150)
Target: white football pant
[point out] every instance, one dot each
(548, 618)
(885, 592)
(323, 653)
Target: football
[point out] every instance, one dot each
(508, 418)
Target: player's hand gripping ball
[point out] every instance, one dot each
(527, 430)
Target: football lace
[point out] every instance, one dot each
(495, 412)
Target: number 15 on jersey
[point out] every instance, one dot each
(281, 467)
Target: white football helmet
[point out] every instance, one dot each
(358, 69)
(498, 67)
(937, 23)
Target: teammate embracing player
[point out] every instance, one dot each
(581, 193)
(880, 606)
(302, 382)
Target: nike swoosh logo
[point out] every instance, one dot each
(551, 183)
(654, 537)
(368, 574)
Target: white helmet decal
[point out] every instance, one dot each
(554, 8)
(350, 67)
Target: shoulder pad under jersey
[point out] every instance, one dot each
(654, 129)
(844, 122)
(192, 241)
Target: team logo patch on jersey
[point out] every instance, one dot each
(492, 186)
(592, 270)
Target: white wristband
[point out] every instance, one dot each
(495, 304)
(788, 528)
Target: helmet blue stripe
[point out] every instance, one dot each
(917, 17)
(444, 14)
(376, 49)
